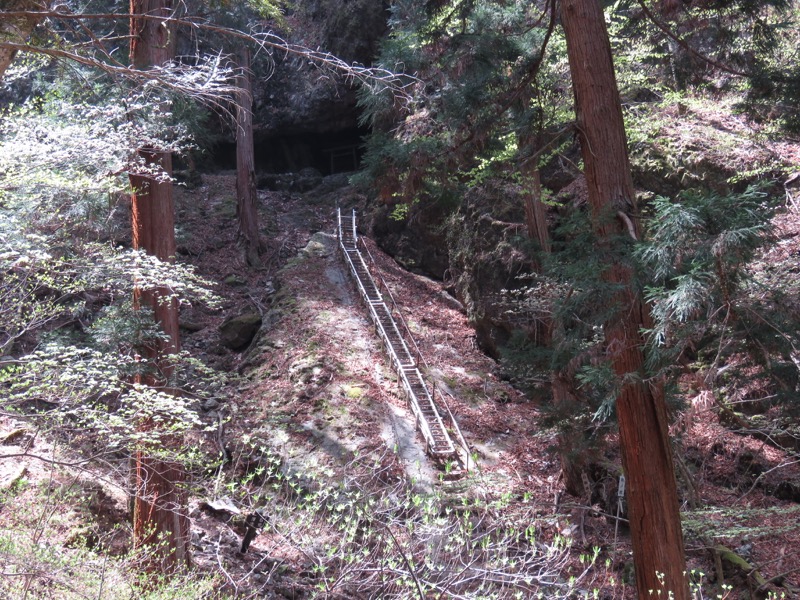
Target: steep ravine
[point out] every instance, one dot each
(317, 390)
(320, 394)
(314, 412)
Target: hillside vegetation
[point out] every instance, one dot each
(279, 406)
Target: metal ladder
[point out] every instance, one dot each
(429, 422)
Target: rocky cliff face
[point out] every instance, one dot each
(473, 248)
(484, 239)
(300, 98)
(418, 242)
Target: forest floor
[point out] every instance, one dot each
(314, 409)
(318, 392)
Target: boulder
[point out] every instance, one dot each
(236, 333)
(320, 245)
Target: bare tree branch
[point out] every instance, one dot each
(684, 44)
(203, 81)
(380, 79)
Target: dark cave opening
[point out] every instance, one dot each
(329, 153)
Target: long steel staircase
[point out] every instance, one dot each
(398, 344)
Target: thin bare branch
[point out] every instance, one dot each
(204, 81)
(380, 79)
(685, 45)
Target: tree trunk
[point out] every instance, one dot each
(152, 40)
(548, 333)
(535, 215)
(16, 30)
(160, 522)
(641, 412)
(246, 198)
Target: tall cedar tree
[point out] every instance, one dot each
(641, 411)
(160, 522)
(246, 198)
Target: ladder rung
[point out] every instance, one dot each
(437, 438)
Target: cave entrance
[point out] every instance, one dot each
(328, 153)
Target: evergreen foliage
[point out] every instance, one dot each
(480, 62)
(744, 46)
(571, 293)
(491, 93)
(71, 346)
(711, 297)
(697, 254)
(697, 268)
(774, 91)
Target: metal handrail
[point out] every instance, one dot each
(436, 411)
(421, 421)
(462, 440)
(419, 357)
(402, 368)
(385, 286)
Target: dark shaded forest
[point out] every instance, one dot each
(581, 215)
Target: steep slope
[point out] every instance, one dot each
(315, 436)
(320, 404)
(318, 395)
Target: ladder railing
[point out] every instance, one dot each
(421, 362)
(421, 401)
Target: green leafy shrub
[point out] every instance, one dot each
(366, 532)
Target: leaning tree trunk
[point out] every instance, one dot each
(641, 412)
(246, 198)
(160, 521)
(535, 213)
(547, 332)
(15, 30)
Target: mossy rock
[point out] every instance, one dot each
(234, 280)
(737, 565)
(237, 332)
(354, 392)
(320, 245)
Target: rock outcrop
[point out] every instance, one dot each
(301, 98)
(474, 250)
(237, 332)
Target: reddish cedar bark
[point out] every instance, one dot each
(160, 522)
(641, 412)
(246, 198)
(535, 213)
(152, 39)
